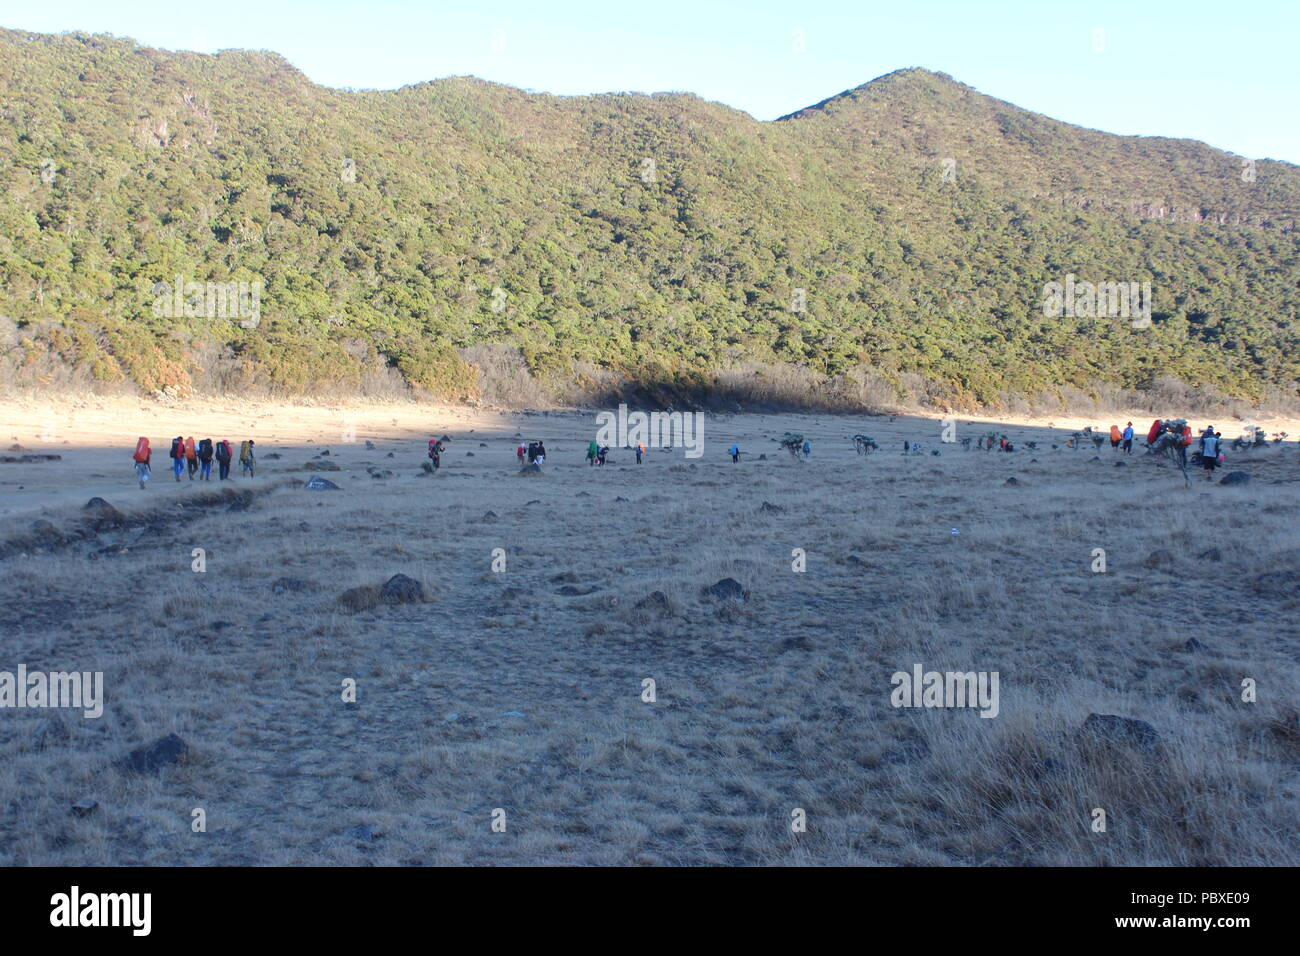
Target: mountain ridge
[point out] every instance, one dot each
(642, 237)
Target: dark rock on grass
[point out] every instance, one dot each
(1013, 480)
(320, 466)
(370, 446)
(728, 589)
(482, 444)
(1119, 464)
(530, 471)
(767, 506)
(1161, 558)
(619, 498)
(1214, 554)
(1235, 478)
(317, 483)
(1126, 731)
(363, 833)
(280, 585)
(535, 501)
(101, 515)
(1193, 646)
(565, 577)
(654, 601)
(570, 590)
(164, 752)
(27, 459)
(84, 807)
(762, 458)
(272, 456)
(469, 454)
(400, 589)
(489, 516)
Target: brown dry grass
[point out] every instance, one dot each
(778, 703)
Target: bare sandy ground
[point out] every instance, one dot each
(521, 688)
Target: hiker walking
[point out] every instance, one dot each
(435, 452)
(541, 454)
(640, 450)
(1209, 454)
(593, 451)
(807, 449)
(519, 454)
(141, 459)
(177, 455)
(246, 460)
(204, 454)
(223, 455)
(1115, 437)
(191, 462)
(602, 454)
(735, 453)
(1128, 439)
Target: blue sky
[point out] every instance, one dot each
(1222, 72)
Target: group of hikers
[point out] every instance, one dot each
(1124, 437)
(196, 459)
(534, 452)
(1210, 445)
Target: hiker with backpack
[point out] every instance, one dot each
(246, 460)
(593, 451)
(1115, 437)
(177, 455)
(734, 451)
(807, 449)
(541, 454)
(1128, 439)
(602, 454)
(435, 452)
(141, 459)
(223, 455)
(204, 455)
(640, 450)
(1209, 453)
(191, 462)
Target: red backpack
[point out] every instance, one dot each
(1155, 430)
(141, 450)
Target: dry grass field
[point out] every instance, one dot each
(522, 689)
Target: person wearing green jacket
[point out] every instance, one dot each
(592, 451)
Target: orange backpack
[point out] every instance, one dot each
(141, 450)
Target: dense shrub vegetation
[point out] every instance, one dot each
(653, 242)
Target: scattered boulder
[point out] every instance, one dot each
(489, 516)
(1119, 464)
(570, 590)
(530, 471)
(565, 577)
(1214, 554)
(84, 807)
(1013, 480)
(370, 446)
(163, 752)
(317, 483)
(1112, 729)
(1160, 558)
(400, 589)
(364, 833)
(1235, 478)
(273, 456)
(762, 457)
(768, 506)
(45, 531)
(1193, 646)
(102, 515)
(321, 466)
(728, 589)
(655, 600)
